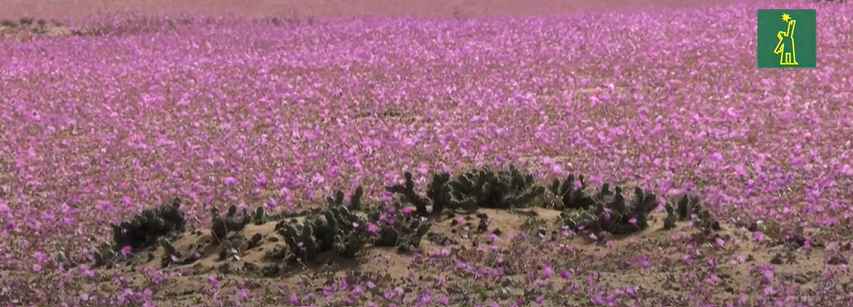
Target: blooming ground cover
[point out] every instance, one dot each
(117, 114)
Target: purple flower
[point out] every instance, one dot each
(547, 272)
(371, 228)
(213, 281)
(126, 250)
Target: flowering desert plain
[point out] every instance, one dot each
(235, 126)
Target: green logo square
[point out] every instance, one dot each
(777, 32)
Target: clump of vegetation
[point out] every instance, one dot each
(33, 27)
(346, 229)
(605, 210)
(354, 201)
(6, 23)
(347, 226)
(398, 228)
(222, 225)
(146, 228)
(484, 188)
(478, 188)
(574, 195)
(437, 194)
(337, 228)
(260, 217)
(136, 25)
(534, 224)
(690, 207)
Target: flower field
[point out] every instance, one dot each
(105, 117)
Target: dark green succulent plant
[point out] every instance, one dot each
(671, 217)
(354, 201)
(336, 228)
(221, 226)
(478, 188)
(578, 197)
(689, 207)
(485, 188)
(301, 242)
(437, 193)
(609, 211)
(144, 229)
(398, 229)
(260, 217)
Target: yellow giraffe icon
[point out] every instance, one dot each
(787, 58)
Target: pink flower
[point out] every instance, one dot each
(230, 181)
(125, 251)
(106, 206)
(406, 210)
(261, 180)
(213, 281)
(372, 228)
(846, 170)
(547, 272)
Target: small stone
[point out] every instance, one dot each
(836, 260)
(777, 260)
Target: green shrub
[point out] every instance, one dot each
(337, 228)
(145, 228)
(478, 188)
(686, 208)
(608, 211)
(398, 228)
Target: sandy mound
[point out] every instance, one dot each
(457, 246)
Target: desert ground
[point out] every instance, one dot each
(404, 153)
